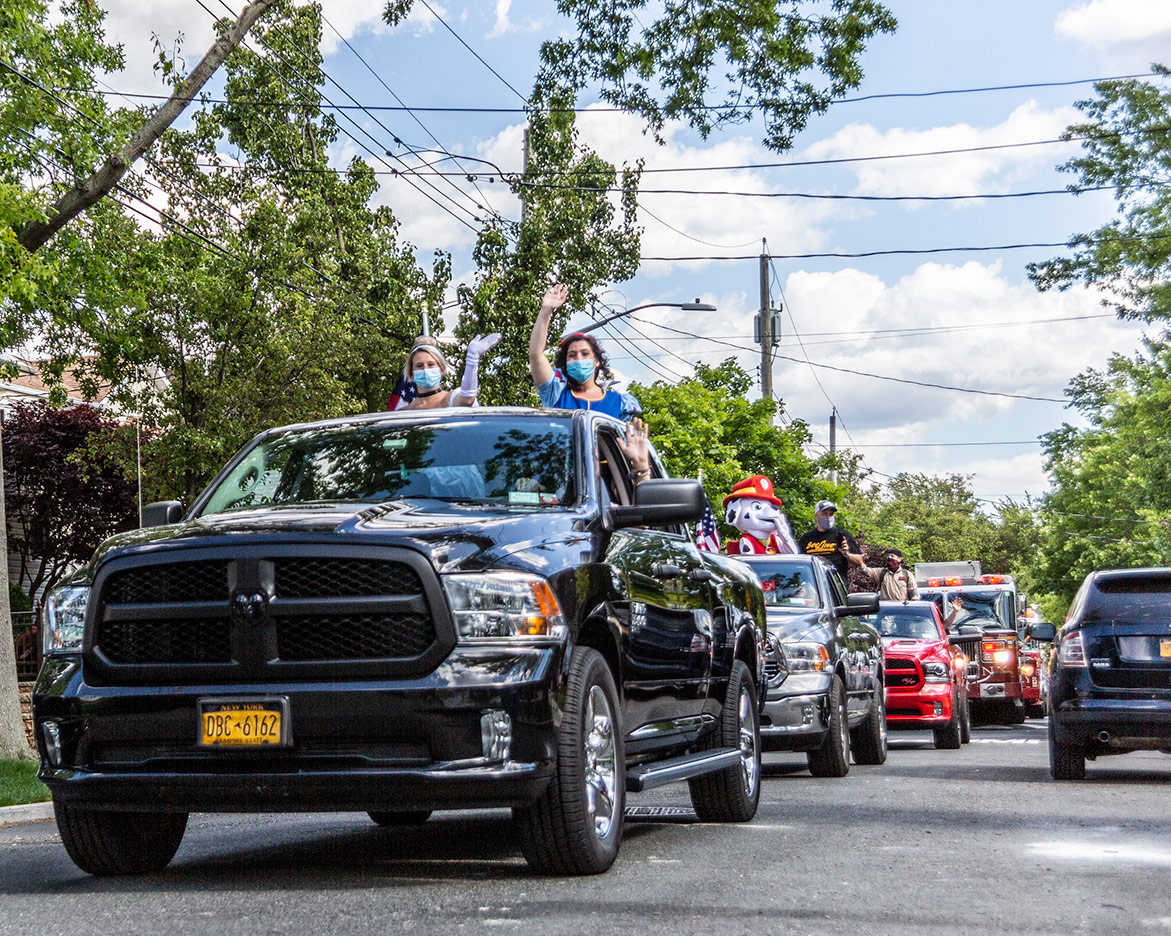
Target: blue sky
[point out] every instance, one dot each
(986, 327)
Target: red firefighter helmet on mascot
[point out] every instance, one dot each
(757, 486)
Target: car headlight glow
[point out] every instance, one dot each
(805, 656)
(936, 671)
(1027, 669)
(495, 605)
(1002, 657)
(65, 619)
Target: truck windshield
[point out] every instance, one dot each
(526, 461)
(981, 609)
(912, 626)
(787, 585)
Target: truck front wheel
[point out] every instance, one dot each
(105, 842)
(576, 825)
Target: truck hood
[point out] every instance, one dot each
(453, 535)
(798, 625)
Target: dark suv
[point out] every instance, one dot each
(1110, 672)
(398, 613)
(825, 670)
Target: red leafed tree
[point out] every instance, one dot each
(65, 488)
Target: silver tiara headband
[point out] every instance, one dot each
(427, 347)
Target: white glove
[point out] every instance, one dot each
(481, 344)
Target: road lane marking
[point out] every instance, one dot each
(1102, 852)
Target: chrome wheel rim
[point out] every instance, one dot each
(601, 762)
(844, 731)
(749, 762)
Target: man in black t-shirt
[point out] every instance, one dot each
(829, 542)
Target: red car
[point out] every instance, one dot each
(926, 672)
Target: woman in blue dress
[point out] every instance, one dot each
(573, 383)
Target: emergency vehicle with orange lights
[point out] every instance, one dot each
(973, 602)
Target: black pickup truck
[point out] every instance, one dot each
(396, 613)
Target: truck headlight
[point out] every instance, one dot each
(65, 619)
(494, 605)
(936, 671)
(805, 656)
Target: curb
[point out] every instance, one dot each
(28, 812)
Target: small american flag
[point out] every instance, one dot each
(404, 392)
(707, 538)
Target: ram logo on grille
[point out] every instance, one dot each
(250, 607)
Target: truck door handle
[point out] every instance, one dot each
(666, 570)
(701, 575)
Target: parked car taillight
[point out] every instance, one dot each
(1071, 651)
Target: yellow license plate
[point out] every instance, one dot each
(243, 723)
(1165, 648)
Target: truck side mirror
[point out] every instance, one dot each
(858, 604)
(661, 501)
(1042, 631)
(161, 513)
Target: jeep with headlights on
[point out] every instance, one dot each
(397, 613)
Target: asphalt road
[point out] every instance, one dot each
(977, 841)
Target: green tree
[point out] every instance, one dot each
(931, 518)
(1125, 145)
(705, 426)
(1111, 500)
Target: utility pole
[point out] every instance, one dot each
(765, 328)
(833, 442)
(524, 175)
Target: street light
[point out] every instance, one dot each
(696, 306)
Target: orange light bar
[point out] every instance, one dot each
(934, 583)
(953, 580)
(992, 580)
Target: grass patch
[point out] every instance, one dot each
(19, 783)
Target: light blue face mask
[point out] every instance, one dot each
(427, 378)
(581, 369)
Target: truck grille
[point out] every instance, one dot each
(343, 578)
(179, 582)
(366, 614)
(901, 673)
(195, 640)
(353, 637)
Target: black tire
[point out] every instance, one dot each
(104, 842)
(732, 794)
(832, 759)
(966, 723)
(1017, 713)
(869, 739)
(949, 737)
(407, 817)
(1066, 761)
(576, 825)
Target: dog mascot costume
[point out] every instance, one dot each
(754, 509)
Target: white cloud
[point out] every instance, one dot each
(1128, 34)
(990, 171)
(502, 25)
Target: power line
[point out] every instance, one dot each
(827, 196)
(846, 370)
(598, 108)
(475, 53)
(984, 248)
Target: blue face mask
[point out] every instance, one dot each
(581, 369)
(427, 378)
